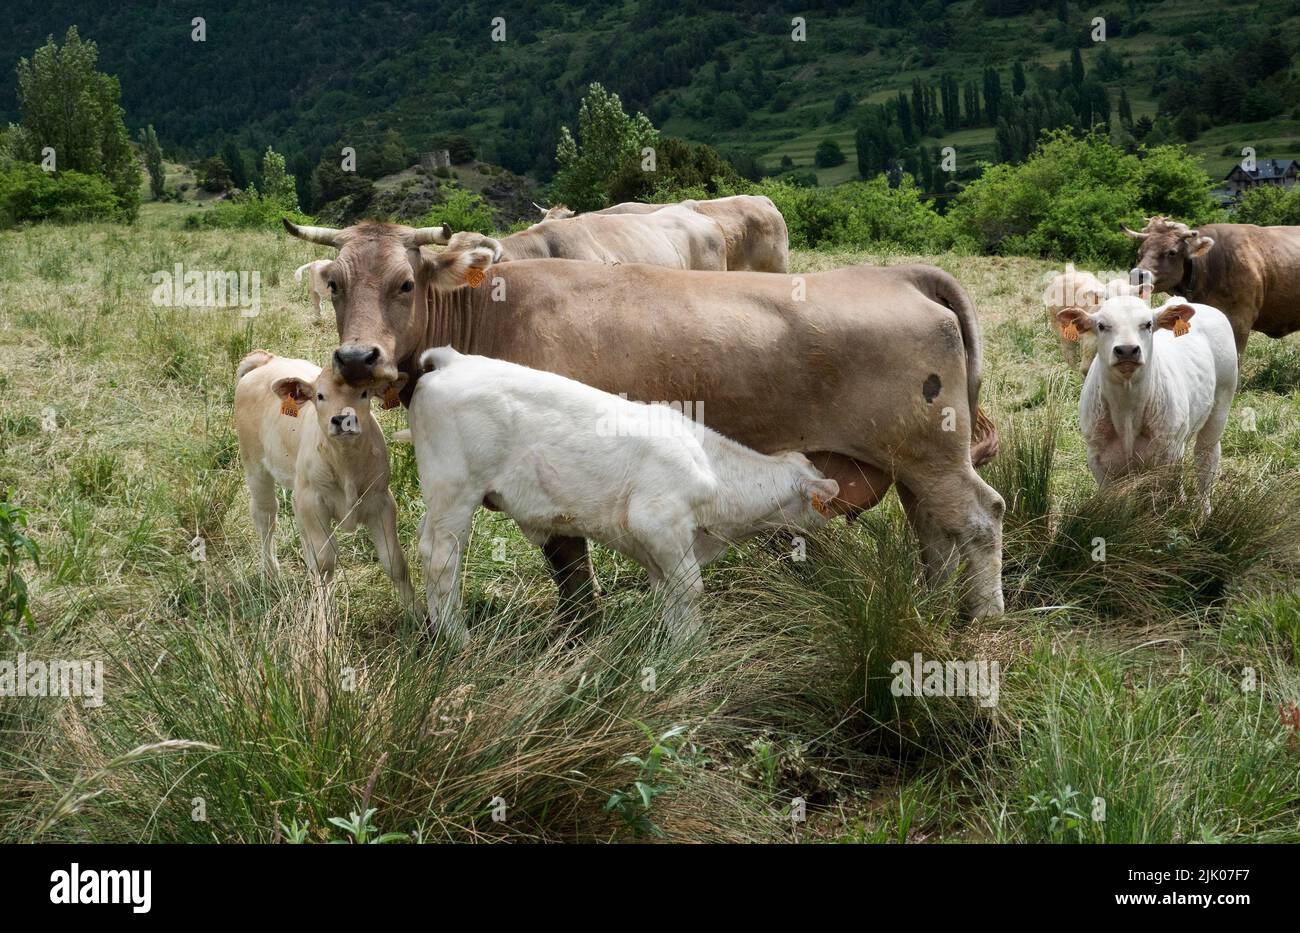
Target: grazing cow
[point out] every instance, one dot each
(311, 432)
(1251, 273)
(1161, 377)
(873, 372)
(676, 239)
(755, 231)
(1073, 289)
(317, 281)
(560, 457)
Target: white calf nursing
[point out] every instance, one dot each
(317, 285)
(560, 457)
(1160, 377)
(308, 431)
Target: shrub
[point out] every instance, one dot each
(678, 165)
(463, 210)
(828, 154)
(1069, 200)
(1269, 206)
(27, 193)
(860, 215)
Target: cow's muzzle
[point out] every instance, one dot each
(356, 364)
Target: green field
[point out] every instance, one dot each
(1154, 680)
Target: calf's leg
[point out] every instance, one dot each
(317, 534)
(382, 526)
(444, 535)
(680, 584)
(1207, 449)
(262, 505)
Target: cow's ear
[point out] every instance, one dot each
(1200, 246)
(467, 267)
(1175, 318)
(1074, 320)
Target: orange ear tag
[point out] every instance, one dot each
(821, 506)
(1070, 331)
(1181, 327)
(475, 277)
(392, 398)
(289, 406)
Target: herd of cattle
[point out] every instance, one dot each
(517, 358)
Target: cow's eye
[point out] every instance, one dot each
(334, 286)
(407, 286)
(1146, 325)
(365, 395)
(320, 396)
(1171, 253)
(1102, 327)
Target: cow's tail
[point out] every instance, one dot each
(249, 363)
(984, 433)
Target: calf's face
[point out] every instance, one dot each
(1125, 328)
(807, 505)
(341, 410)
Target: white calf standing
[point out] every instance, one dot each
(1160, 378)
(317, 285)
(560, 457)
(308, 431)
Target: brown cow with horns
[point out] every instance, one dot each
(874, 372)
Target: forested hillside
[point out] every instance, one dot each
(983, 76)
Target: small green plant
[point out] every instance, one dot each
(1063, 817)
(15, 547)
(362, 830)
(633, 804)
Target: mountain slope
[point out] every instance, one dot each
(306, 78)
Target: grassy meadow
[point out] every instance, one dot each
(238, 709)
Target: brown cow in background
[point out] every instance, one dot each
(1250, 273)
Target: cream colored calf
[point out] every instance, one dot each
(308, 431)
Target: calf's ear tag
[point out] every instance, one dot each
(289, 406)
(1070, 331)
(475, 276)
(1181, 327)
(820, 505)
(392, 398)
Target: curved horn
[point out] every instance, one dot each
(538, 206)
(326, 236)
(425, 236)
(1135, 234)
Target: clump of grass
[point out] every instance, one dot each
(1112, 751)
(301, 717)
(1273, 366)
